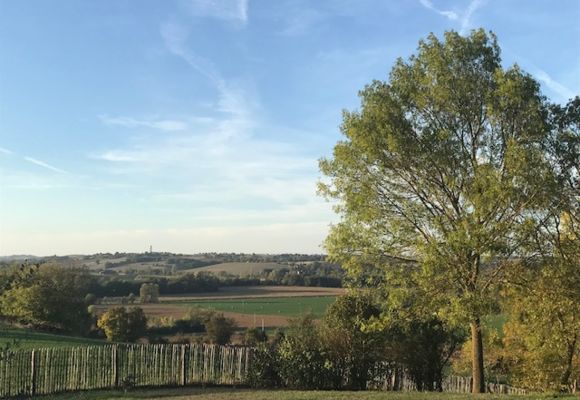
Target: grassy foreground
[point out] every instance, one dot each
(27, 339)
(248, 394)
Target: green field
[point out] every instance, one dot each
(245, 394)
(284, 306)
(241, 268)
(26, 339)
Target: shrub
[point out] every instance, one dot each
(255, 336)
(219, 329)
(121, 325)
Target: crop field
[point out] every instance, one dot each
(246, 292)
(241, 268)
(249, 308)
(26, 339)
(284, 306)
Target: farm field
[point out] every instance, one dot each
(247, 394)
(283, 306)
(247, 312)
(241, 268)
(243, 292)
(27, 339)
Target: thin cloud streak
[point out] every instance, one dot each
(5, 151)
(452, 15)
(564, 92)
(45, 165)
(232, 10)
(129, 122)
(464, 18)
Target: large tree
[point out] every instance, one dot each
(444, 165)
(47, 295)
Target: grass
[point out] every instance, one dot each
(247, 394)
(284, 306)
(27, 339)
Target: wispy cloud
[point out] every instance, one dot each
(564, 92)
(452, 15)
(233, 10)
(45, 165)
(129, 122)
(467, 14)
(300, 21)
(463, 17)
(227, 161)
(5, 151)
(175, 37)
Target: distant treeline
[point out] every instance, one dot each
(316, 274)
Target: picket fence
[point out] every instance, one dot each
(53, 370)
(389, 377)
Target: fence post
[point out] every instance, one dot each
(183, 354)
(32, 374)
(115, 366)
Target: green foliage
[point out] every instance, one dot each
(149, 293)
(121, 325)
(351, 347)
(48, 295)
(255, 336)
(444, 164)
(219, 329)
(303, 361)
(543, 333)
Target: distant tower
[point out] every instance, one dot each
(150, 248)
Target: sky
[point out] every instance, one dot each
(197, 125)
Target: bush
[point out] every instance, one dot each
(303, 361)
(219, 329)
(265, 367)
(121, 325)
(255, 336)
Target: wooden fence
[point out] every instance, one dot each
(390, 377)
(53, 370)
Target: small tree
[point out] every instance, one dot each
(121, 325)
(149, 293)
(219, 329)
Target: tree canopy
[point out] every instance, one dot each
(445, 165)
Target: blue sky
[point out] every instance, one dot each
(196, 125)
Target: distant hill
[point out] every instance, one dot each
(18, 257)
(242, 268)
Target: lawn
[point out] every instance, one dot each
(27, 339)
(247, 394)
(283, 306)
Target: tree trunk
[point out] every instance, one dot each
(565, 380)
(477, 357)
